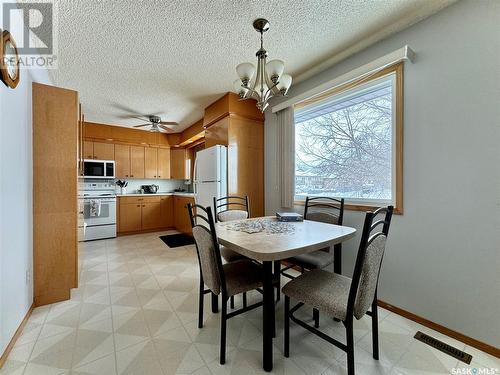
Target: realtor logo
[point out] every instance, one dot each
(33, 25)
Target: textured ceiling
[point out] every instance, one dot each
(173, 58)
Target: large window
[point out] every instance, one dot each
(348, 143)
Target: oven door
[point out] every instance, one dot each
(94, 168)
(106, 214)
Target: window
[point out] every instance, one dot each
(348, 142)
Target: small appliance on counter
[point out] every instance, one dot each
(289, 216)
(150, 189)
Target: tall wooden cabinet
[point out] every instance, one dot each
(55, 171)
(239, 125)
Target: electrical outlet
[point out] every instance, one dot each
(28, 277)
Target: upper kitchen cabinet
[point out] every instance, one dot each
(88, 150)
(129, 161)
(98, 150)
(151, 162)
(163, 163)
(136, 162)
(122, 161)
(104, 151)
(180, 164)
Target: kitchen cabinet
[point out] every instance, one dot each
(122, 161)
(129, 161)
(88, 150)
(145, 213)
(98, 150)
(180, 165)
(104, 151)
(151, 162)
(130, 219)
(167, 211)
(181, 214)
(136, 162)
(163, 163)
(55, 206)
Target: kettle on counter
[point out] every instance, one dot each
(150, 189)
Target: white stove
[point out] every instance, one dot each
(99, 210)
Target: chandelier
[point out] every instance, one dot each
(268, 81)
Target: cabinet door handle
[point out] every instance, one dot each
(159, 176)
(131, 175)
(143, 205)
(138, 205)
(126, 175)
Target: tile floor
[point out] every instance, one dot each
(135, 312)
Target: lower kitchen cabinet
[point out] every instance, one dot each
(167, 211)
(130, 219)
(148, 213)
(181, 214)
(151, 215)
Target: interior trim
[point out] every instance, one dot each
(19, 331)
(442, 329)
(402, 54)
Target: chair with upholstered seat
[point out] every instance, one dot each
(326, 210)
(340, 296)
(228, 209)
(227, 279)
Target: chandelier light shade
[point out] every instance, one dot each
(267, 80)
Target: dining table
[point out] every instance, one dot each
(269, 241)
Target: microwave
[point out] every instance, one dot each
(98, 168)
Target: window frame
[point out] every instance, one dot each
(397, 157)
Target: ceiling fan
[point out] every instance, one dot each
(156, 124)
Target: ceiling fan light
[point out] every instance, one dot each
(284, 83)
(245, 72)
(274, 69)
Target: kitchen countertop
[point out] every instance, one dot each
(179, 194)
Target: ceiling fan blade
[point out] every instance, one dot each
(168, 130)
(140, 126)
(172, 123)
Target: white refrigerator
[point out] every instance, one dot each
(210, 175)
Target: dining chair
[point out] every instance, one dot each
(228, 209)
(340, 296)
(227, 279)
(326, 210)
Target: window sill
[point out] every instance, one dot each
(355, 207)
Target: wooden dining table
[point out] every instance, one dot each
(268, 241)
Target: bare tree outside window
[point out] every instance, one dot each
(344, 149)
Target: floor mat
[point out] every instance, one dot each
(177, 240)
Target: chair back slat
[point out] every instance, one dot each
(231, 208)
(324, 209)
(368, 263)
(207, 248)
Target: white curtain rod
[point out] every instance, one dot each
(404, 53)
